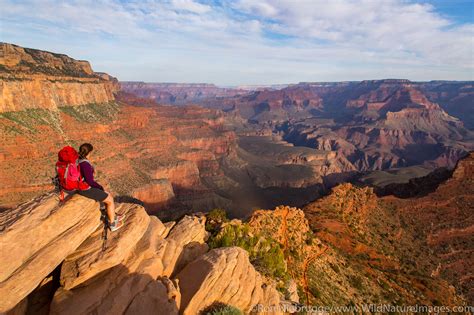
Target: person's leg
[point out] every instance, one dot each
(110, 207)
(115, 221)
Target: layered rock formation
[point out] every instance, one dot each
(135, 271)
(387, 125)
(178, 93)
(33, 78)
(456, 98)
(159, 155)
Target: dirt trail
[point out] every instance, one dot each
(312, 257)
(283, 233)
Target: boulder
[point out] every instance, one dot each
(190, 236)
(189, 229)
(224, 275)
(35, 238)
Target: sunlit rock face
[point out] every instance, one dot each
(33, 78)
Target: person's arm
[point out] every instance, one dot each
(88, 173)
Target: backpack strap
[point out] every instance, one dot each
(66, 171)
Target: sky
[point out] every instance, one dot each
(252, 41)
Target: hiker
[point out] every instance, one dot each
(96, 191)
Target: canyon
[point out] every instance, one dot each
(274, 145)
(316, 193)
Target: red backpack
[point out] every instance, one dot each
(68, 170)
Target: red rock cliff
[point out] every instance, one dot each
(31, 78)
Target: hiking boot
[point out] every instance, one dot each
(120, 217)
(117, 224)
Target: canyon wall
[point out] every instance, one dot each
(31, 78)
(259, 149)
(178, 93)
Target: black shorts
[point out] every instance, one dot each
(93, 193)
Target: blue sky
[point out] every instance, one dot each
(252, 41)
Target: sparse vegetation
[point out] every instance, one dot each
(265, 253)
(28, 120)
(94, 112)
(215, 218)
(221, 309)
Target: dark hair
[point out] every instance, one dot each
(85, 149)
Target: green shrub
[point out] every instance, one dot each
(215, 218)
(221, 309)
(265, 254)
(356, 282)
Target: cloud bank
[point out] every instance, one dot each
(249, 41)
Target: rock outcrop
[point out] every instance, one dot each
(159, 296)
(36, 237)
(134, 272)
(31, 78)
(89, 259)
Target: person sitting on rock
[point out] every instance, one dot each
(96, 191)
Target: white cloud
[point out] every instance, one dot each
(249, 41)
(190, 5)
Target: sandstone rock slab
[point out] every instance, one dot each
(34, 239)
(190, 236)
